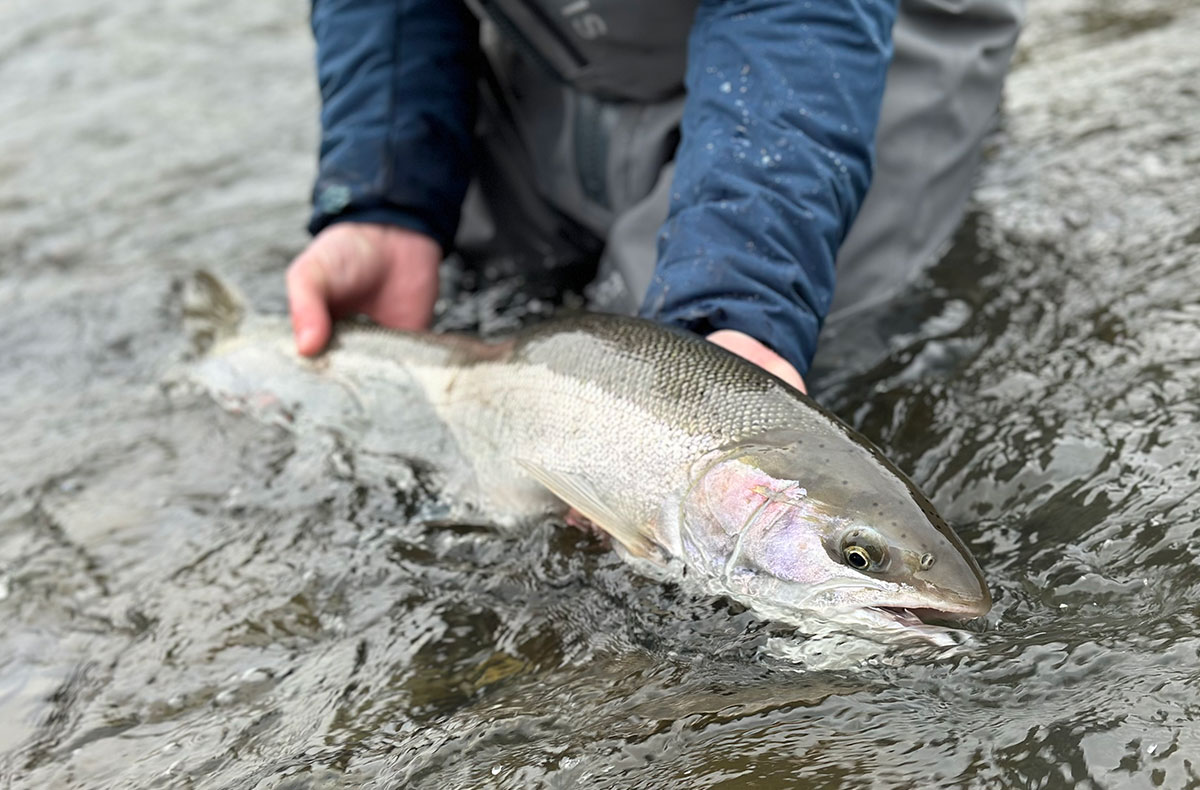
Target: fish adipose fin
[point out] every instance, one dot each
(581, 494)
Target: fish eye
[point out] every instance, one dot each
(857, 557)
(864, 550)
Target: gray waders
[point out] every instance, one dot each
(575, 148)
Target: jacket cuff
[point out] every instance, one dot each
(789, 328)
(381, 215)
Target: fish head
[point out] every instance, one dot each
(798, 531)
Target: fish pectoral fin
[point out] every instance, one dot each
(580, 493)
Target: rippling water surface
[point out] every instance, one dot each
(192, 599)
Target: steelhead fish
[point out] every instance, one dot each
(702, 467)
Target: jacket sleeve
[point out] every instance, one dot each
(774, 161)
(397, 82)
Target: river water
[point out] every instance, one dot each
(192, 599)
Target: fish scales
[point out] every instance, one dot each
(573, 393)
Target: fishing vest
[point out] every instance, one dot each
(613, 49)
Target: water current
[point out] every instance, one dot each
(191, 599)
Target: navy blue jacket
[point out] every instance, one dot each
(775, 158)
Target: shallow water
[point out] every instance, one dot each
(193, 599)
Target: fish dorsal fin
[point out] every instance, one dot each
(580, 493)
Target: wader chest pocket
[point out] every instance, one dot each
(528, 26)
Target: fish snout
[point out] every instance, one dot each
(956, 583)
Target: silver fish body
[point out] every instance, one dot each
(700, 465)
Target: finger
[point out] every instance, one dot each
(752, 350)
(783, 370)
(308, 297)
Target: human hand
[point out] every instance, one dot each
(751, 350)
(387, 273)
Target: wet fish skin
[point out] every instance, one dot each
(699, 464)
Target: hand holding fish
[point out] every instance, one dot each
(387, 273)
(390, 274)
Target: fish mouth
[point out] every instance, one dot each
(915, 616)
(902, 616)
(905, 625)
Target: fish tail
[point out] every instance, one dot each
(212, 310)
